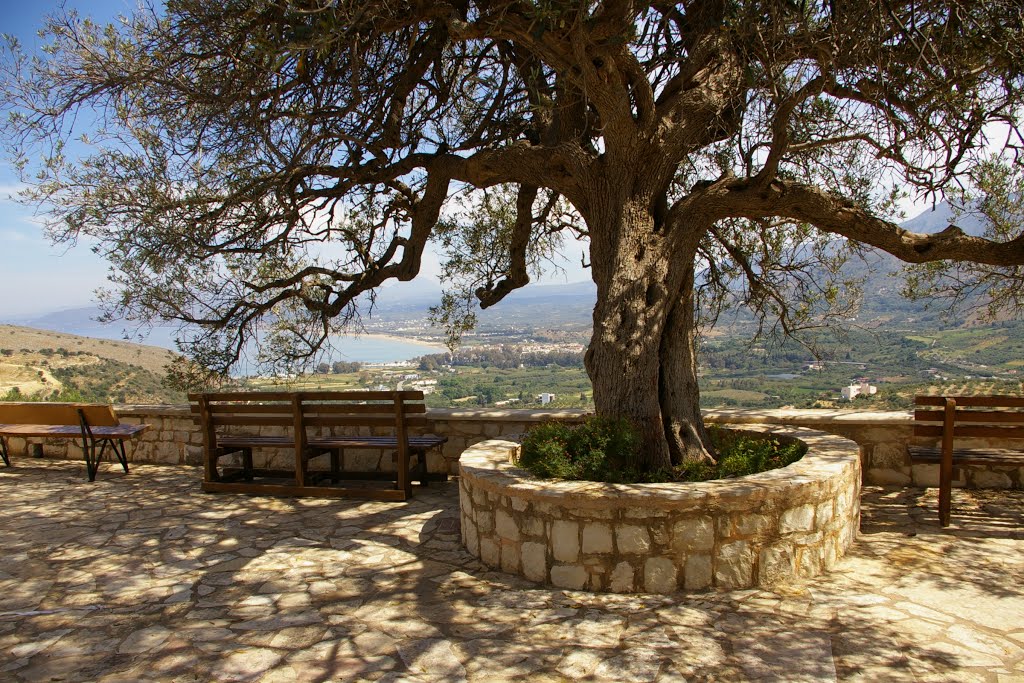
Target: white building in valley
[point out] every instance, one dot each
(858, 388)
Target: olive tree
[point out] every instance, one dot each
(259, 167)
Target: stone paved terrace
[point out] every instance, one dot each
(143, 577)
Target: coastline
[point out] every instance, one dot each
(439, 347)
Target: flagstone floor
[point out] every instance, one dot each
(142, 577)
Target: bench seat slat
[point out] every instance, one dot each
(255, 441)
(122, 432)
(294, 490)
(417, 442)
(245, 441)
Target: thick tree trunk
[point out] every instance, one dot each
(641, 358)
(679, 392)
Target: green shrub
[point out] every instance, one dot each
(65, 395)
(605, 450)
(598, 449)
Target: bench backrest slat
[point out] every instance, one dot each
(97, 415)
(374, 409)
(252, 420)
(973, 401)
(248, 409)
(286, 396)
(972, 432)
(361, 421)
(969, 419)
(360, 408)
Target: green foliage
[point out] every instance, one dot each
(740, 455)
(185, 375)
(111, 381)
(13, 394)
(65, 395)
(995, 200)
(603, 450)
(599, 449)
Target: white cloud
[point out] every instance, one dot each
(9, 190)
(8, 235)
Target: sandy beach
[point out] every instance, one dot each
(441, 348)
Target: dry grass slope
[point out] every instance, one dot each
(152, 358)
(41, 362)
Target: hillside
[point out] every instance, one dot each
(41, 363)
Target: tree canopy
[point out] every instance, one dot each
(260, 167)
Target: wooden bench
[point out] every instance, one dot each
(949, 418)
(307, 422)
(95, 425)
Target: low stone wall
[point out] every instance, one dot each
(175, 439)
(750, 531)
(882, 436)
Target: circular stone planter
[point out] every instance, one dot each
(757, 530)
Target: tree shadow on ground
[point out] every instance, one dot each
(144, 577)
(976, 555)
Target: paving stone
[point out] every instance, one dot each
(638, 666)
(247, 664)
(788, 656)
(178, 585)
(581, 663)
(432, 657)
(144, 640)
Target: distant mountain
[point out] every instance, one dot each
(83, 321)
(548, 305)
(941, 216)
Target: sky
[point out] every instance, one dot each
(37, 277)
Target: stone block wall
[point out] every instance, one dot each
(882, 436)
(175, 439)
(658, 538)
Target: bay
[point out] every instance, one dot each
(364, 348)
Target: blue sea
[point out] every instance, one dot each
(367, 349)
(363, 348)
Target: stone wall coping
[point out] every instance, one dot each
(806, 416)
(781, 416)
(489, 465)
(506, 415)
(154, 410)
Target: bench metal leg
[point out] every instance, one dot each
(92, 461)
(421, 466)
(118, 448)
(247, 472)
(3, 451)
